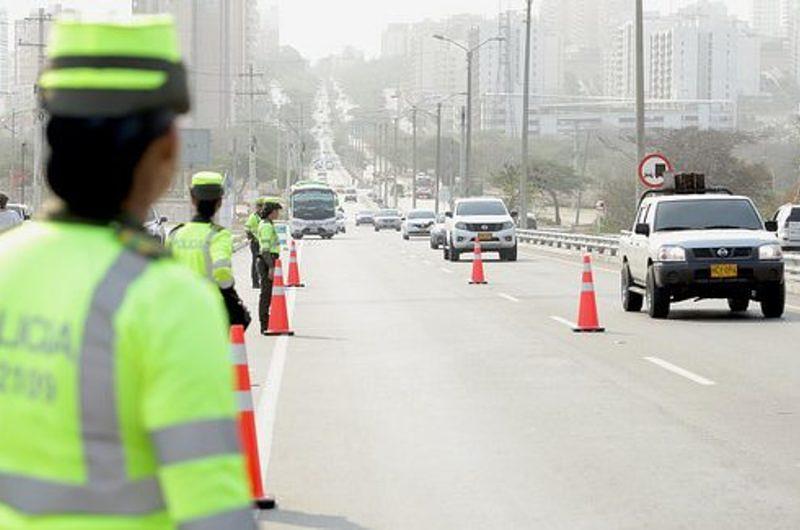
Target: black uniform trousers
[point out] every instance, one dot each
(266, 268)
(255, 249)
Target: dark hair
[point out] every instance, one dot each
(92, 160)
(268, 208)
(207, 208)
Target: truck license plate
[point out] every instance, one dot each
(485, 236)
(724, 270)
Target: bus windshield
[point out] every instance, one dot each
(314, 204)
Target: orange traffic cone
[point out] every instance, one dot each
(294, 269)
(278, 315)
(247, 424)
(478, 277)
(588, 321)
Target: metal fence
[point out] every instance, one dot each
(609, 245)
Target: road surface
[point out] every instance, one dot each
(412, 400)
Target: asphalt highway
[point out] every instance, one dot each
(411, 400)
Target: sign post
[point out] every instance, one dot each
(652, 170)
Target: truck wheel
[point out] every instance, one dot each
(511, 254)
(377, 229)
(434, 246)
(656, 298)
(445, 253)
(738, 305)
(773, 301)
(405, 236)
(631, 301)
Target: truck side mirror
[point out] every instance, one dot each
(771, 226)
(642, 229)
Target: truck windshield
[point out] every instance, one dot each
(720, 214)
(482, 208)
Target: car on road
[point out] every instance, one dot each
(438, 232)
(365, 217)
(341, 225)
(692, 242)
(418, 223)
(388, 219)
(155, 226)
(22, 209)
(351, 195)
(484, 219)
(788, 219)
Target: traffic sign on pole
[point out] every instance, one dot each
(652, 170)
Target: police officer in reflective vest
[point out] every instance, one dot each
(270, 250)
(251, 229)
(117, 409)
(206, 247)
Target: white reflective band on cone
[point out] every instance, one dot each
(245, 400)
(238, 354)
(587, 287)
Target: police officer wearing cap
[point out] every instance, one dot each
(207, 248)
(251, 229)
(269, 252)
(118, 410)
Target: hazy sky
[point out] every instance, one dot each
(319, 27)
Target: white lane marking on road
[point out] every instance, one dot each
(564, 321)
(267, 408)
(508, 297)
(680, 371)
(446, 271)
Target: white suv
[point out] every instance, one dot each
(483, 219)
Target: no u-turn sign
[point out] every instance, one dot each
(652, 170)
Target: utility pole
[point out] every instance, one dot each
(468, 155)
(395, 164)
(39, 117)
(524, 156)
(251, 93)
(414, 156)
(438, 156)
(462, 162)
(640, 130)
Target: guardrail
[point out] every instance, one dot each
(609, 245)
(567, 240)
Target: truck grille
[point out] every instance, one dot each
(727, 253)
(484, 227)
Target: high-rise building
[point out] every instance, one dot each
(503, 70)
(5, 59)
(216, 37)
(768, 17)
(700, 53)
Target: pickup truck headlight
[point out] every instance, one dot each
(461, 226)
(671, 253)
(508, 225)
(767, 252)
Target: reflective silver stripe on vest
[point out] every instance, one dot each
(245, 400)
(192, 441)
(42, 497)
(241, 519)
(207, 253)
(108, 489)
(223, 263)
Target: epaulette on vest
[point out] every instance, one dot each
(142, 243)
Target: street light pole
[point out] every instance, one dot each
(414, 157)
(438, 156)
(640, 125)
(395, 164)
(470, 55)
(525, 163)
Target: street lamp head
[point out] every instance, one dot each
(439, 37)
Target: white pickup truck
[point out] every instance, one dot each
(701, 244)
